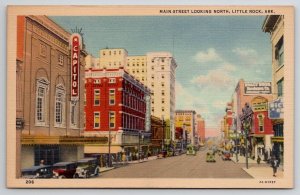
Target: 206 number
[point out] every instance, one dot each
(29, 181)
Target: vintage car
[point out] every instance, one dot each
(226, 155)
(63, 170)
(37, 172)
(87, 167)
(210, 157)
(190, 150)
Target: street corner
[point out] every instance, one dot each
(263, 173)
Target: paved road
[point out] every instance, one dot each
(182, 166)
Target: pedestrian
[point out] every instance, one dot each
(258, 159)
(42, 163)
(274, 165)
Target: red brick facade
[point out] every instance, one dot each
(127, 100)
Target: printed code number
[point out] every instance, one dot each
(29, 182)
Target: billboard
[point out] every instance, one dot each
(276, 109)
(254, 88)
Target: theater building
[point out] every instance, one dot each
(49, 121)
(117, 107)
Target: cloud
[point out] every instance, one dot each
(207, 56)
(219, 104)
(247, 56)
(216, 78)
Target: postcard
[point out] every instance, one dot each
(150, 96)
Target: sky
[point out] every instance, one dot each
(212, 52)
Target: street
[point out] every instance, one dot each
(182, 166)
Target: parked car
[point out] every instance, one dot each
(162, 154)
(190, 150)
(87, 167)
(226, 155)
(210, 157)
(37, 172)
(64, 170)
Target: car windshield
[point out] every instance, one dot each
(60, 167)
(83, 164)
(24, 173)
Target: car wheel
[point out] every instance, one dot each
(76, 175)
(97, 172)
(61, 177)
(87, 175)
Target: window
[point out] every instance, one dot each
(162, 76)
(103, 53)
(96, 81)
(60, 59)
(261, 122)
(280, 88)
(279, 52)
(162, 67)
(152, 76)
(112, 80)
(162, 109)
(162, 84)
(278, 130)
(96, 120)
(112, 97)
(119, 52)
(152, 84)
(43, 50)
(152, 109)
(59, 105)
(41, 94)
(115, 52)
(162, 92)
(152, 67)
(73, 115)
(152, 60)
(162, 100)
(162, 60)
(112, 119)
(96, 97)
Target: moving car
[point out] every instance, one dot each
(37, 172)
(226, 155)
(190, 150)
(210, 157)
(87, 167)
(64, 170)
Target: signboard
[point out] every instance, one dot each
(276, 109)
(254, 88)
(75, 44)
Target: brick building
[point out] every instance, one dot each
(117, 106)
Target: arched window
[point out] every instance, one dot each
(41, 101)
(59, 106)
(261, 118)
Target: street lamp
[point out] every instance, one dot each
(246, 120)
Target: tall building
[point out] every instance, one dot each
(156, 70)
(161, 68)
(274, 24)
(117, 107)
(186, 119)
(48, 114)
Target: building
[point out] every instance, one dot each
(157, 135)
(49, 120)
(117, 107)
(201, 128)
(161, 68)
(186, 119)
(274, 24)
(156, 70)
(257, 95)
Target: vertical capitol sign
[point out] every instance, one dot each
(76, 45)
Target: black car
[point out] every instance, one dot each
(87, 167)
(37, 172)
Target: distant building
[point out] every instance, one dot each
(201, 128)
(186, 119)
(117, 106)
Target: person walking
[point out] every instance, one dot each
(274, 165)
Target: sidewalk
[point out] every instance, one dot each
(242, 160)
(258, 171)
(121, 164)
(264, 172)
